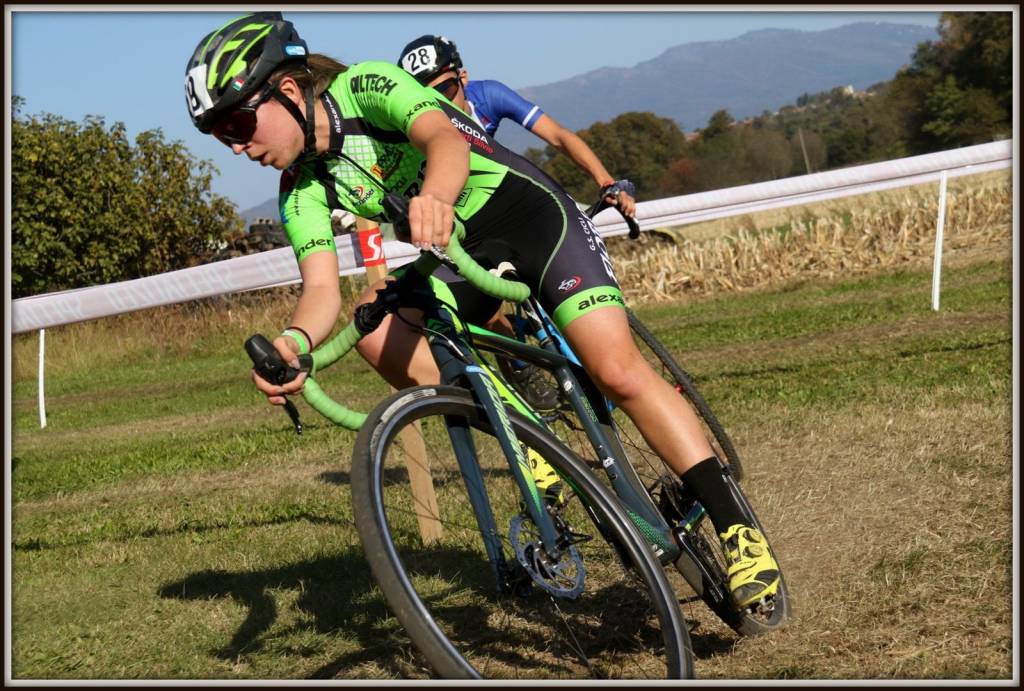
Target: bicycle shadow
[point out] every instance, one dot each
(334, 595)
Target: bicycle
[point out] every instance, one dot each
(707, 573)
(580, 591)
(673, 524)
(656, 354)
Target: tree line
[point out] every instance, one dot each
(91, 207)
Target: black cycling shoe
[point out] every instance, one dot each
(530, 383)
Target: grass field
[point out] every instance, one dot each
(168, 525)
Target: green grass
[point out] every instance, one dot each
(168, 524)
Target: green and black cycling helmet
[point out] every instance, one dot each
(233, 63)
(429, 56)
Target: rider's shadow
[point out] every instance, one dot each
(334, 593)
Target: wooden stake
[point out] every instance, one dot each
(421, 482)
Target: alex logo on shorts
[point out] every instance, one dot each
(611, 297)
(585, 302)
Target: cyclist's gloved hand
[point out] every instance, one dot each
(621, 193)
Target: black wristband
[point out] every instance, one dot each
(306, 334)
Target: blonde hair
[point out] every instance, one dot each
(318, 72)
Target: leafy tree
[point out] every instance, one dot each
(90, 208)
(719, 125)
(639, 146)
(960, 117)
(962, 83)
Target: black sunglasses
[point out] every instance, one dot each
(449, 87)
(239, 125)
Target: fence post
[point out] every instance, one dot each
(42, 378)
(421, 483)
(937, 266)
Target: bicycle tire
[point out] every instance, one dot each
(704, 539)
(720, 442)
(465, 648)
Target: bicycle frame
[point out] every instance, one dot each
(455, 345)
(461, 365)
(556, 356)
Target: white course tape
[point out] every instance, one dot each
(278, 267)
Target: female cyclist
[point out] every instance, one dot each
(344, 134)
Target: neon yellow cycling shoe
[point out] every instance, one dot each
(548, 481)
(753, 571)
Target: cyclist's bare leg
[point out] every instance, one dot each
(604, 343)
(398, 352)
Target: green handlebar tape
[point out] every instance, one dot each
(340, 345)
(481, 278)
(333, 411)
(324, 356)
(334, 349)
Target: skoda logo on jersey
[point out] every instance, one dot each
(570, 284)
(468, 129)
(472, 135)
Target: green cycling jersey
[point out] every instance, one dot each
(371, 107)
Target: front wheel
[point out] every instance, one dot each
(487, 604)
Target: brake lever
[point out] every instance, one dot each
(268, 364)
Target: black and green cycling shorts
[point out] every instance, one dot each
(553, 246)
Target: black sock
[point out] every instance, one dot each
(706, 481)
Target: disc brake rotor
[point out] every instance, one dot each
(563, 578)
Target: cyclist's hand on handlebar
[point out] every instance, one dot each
(276, 394)
(625, 202)
(621, 193)
(430, 221)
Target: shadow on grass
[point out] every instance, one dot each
(334, 594)
(399, 476)
(336, 597)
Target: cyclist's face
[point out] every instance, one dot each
(450, 85)
(264, 130)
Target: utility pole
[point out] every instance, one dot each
(807, 163)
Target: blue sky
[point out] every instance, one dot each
(129, 66)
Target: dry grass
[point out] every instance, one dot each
(827, 240)
(895, 538)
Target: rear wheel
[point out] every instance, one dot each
(585, 615)
(661, 360)
(704, 565)
(708, 579)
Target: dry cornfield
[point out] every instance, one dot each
(828, 240)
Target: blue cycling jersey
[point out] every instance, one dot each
(491, 102)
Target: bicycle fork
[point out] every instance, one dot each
(454, 366)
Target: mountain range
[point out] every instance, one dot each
(758, 71)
